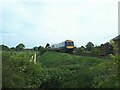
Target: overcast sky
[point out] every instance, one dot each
(37, 22)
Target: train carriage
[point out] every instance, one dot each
(66, 46)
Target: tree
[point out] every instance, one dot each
(12, 48)
(47, 45)
(82, 49)
(0, 47)
(89, 46)
(4, 47)
(107, 48)
(41, 50)
(35, 48)
(115, 46)
(21, 46)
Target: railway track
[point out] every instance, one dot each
(86, 54)
(89, 55)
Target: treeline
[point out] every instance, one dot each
(103, 49)
(21, 47)
(17, 48)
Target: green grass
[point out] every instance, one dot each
(77, 71)
(55, 59)
(58, 70)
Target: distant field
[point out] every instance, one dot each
(58, 70)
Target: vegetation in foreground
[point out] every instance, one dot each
(1, 69)
(58, 70)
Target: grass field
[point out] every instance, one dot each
(78, 71)
(56, 59)
(58, 70)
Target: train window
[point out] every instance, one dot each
(69, 44)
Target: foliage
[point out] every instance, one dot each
(89, 46)
(42, 50)
(115, 46)
(105, 75)
(4, 47)
(12, 48)
(81, 72)
(35, 48)
(58, 70)
(80, 49)
(47, 45)
(18, 72)
(96, 50)
(19, 47)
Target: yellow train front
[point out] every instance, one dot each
(69, 46)
(66, 46)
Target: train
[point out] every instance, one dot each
(66, 46)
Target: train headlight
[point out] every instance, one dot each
(69, 47)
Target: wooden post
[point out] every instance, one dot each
(35, 58)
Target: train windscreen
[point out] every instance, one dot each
(69, 44)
